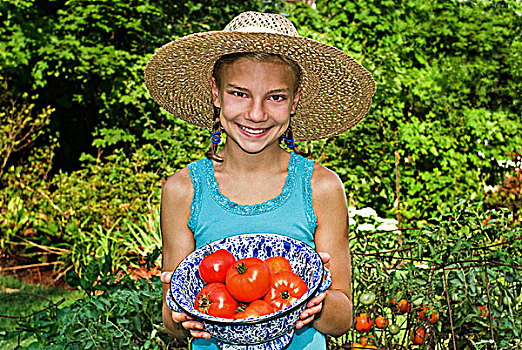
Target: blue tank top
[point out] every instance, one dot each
(213, 216)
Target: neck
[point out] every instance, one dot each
(240, 162)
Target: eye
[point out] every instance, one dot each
(238, 94)
(277, 97)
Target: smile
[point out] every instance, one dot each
(252, 131)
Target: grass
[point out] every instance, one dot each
(19, 299)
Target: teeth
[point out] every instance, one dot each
(252, 131)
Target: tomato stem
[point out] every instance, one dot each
(241, 269)
(285, 295)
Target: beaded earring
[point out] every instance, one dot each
(216, 138)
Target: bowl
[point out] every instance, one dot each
(273, 331)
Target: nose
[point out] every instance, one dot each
(257, 111)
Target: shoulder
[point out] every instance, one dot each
(178, 187)
(326, 183)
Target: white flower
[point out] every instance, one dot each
(490, 188)
(366, 227)
(387, 221)
(352, 211)
(481, 154)
(351, 222)
(366, 212)
(387, 227)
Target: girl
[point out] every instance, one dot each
(258, 82)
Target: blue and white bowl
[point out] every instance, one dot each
(273, 331)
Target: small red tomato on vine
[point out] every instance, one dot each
(403, 306)
(417, 338)
(432, 318)
(484, 311)
(363, 323)
(381, 322)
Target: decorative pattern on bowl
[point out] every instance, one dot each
(273, 331)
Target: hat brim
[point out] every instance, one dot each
(336, 90)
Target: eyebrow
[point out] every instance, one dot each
(274, 91)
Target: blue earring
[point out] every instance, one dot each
(290, 142)
(216, 138)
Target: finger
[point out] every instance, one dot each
(179, 317)
(166, 277)
(200, 334)
(311, 311)
(325, 257)
(302, 323)
(316, 300)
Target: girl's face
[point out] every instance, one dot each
(256, 99)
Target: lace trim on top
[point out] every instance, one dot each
(195, 206)
(307, 192)
(254, 209)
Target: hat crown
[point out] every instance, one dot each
(257, 22)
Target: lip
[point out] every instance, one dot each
(250, 134)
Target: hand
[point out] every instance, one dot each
(315, 305)
(187, 322)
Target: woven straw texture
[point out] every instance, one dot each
(336, 90)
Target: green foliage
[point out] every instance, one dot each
(126, 315)
(447, 100)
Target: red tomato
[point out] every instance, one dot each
(363, 323)
(215, 300)
(381, 322)
(431, 318)
(213, 268)
(417, 338)
(403, 306)
(277, 264)
(248, 279)
(286, 289)
(256, 308)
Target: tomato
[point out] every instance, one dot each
(255, 309)
(363, 323)
(215, 300)
(277, 264)
(403, 306)
(393, 329)
(213, 268)
(432, 318)
(366, 340)
(418, 337)
(367, 298)
(381, 322)
(248, 279)
(286, 289)
(484, 311)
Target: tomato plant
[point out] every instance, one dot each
(248, 279)
(277, 264)
(363, 323)
(255, 309)
(213, 267)
(286, 289)
(215, 300)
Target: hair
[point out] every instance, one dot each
(217, 73)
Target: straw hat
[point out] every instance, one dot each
(336, 90)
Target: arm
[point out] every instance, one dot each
(177, 243)
(333, 311)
